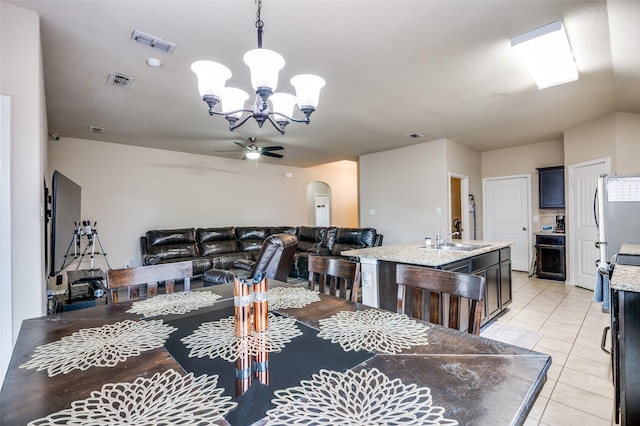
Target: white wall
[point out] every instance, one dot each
(615, 135)
(627, 143)
(591, 140)
(405, 186)
(526, 159)
(129, 190)
(22, 79)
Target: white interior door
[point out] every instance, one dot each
(583, 233)
(322, 210)
(507, 215)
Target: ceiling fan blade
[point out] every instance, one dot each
(271, 154)
(247, 147)
(271, 148)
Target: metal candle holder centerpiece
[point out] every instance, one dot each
(245, 296)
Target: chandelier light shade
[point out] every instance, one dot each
(211, 77)
(307, 89)
(284, 103)
(264, 65)
(547, 55)
(233, 100)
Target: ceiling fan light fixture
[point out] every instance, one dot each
(547, 55)
(252, 155)
(265, 66)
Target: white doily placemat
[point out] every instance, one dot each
(367, 397)
(218, 339)
(174, 303)
(291, 297)
(103, 346)
(165, 399)
(373, 330)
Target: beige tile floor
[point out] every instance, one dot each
(579, 389)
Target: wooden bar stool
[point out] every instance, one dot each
(337, 274)
(437, 284)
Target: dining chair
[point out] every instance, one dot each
(275, 258)
(337, 274)
(434, 290)
(133, 278)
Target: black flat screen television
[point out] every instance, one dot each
(65, 219)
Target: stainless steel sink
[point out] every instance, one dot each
(458, 246)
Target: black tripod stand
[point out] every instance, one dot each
(92, 235)
(92, 277)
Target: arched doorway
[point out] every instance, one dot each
(318, 204)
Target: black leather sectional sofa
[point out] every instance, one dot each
(221, 247)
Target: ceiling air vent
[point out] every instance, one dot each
(415, 135)
(152, 42)
(119, 80)
(96, 129)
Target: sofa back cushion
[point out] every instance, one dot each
(353, 238)
(329, 238)
(310, 237)
(172, 243)
(215, 241)
(250, 238)
(291, 230)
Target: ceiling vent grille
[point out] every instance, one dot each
(415, 135)
(152, 42)
(119, 80)
(96, 129)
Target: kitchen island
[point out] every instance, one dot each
(490, 259)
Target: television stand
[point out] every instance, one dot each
(91, 280)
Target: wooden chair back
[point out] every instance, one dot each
(338, 275)
(430, 287)
(133, 278)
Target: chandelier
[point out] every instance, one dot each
(264, 65)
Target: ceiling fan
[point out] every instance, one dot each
(253, 151)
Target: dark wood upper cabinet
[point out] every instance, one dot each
(551, 187)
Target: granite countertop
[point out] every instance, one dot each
(417, 254)
(632, 249)
(626, 278)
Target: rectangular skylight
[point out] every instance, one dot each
(547, 55)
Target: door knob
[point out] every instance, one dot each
(524, 229)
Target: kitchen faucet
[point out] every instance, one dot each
(442, 238)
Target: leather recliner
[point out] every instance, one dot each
(275, 258)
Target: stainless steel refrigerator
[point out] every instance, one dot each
(617, 210)
(618, 219)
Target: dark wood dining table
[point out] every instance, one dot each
(476, 380)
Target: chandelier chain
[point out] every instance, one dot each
(259, 23)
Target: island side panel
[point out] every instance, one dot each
(494, 265)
